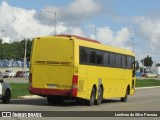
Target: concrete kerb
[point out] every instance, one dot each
(29, 97)
(36, 96)
(147, 87)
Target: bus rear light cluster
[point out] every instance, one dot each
(74, 85)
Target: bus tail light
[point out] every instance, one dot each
(74, 85)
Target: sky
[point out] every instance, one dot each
(129, 24)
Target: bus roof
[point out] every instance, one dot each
(78, 37)
(103, 46)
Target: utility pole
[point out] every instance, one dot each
(4, 31)
(132, 43)
(55, 19)
(132, 37)
(93, 27)
(25, 53)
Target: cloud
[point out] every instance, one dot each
(149, 28)
(19, 23)
(120, 38)
(72, 14)
(74, 31)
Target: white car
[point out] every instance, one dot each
(149, 75)
(9, 73)
(5, 90)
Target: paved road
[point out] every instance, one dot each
(143, 100)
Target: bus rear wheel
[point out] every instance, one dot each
(100, 96)
(91, 101)
(124, 99)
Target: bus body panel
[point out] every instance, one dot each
(52, 65)
(54, 68)
(114, 80)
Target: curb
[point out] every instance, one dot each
(147, 87)
(29, 97)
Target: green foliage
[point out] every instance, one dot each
(15, 50)
(147, 83)
(19, 89)
(147, 61)
(0, 41)
(158, 64)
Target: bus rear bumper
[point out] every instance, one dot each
(46, 92)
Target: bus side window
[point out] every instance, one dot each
(129, 62)
(99, 57)
(83, 55)
(112, 59)
(124, 61)
(106, 58)
(118, 60)
(92, 56)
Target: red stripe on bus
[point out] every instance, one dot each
(43, 91)
(78, 37)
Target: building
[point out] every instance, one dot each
(156, 69)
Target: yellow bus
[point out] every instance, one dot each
(68, 66)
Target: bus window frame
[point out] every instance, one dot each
(109, 54)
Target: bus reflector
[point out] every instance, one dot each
(75, 80)
(74, 85)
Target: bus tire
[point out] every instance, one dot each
(91, 101)
(6, 98)
(100, 96)
(124, 99)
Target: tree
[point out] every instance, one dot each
(1, 41)
(147, 61)
(15, 50)
(158, 64)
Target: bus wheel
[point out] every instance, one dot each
(100, 96)
(124, 99)
(92, 97)
(6, 98)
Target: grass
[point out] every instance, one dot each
(21, 89)
(147, 83)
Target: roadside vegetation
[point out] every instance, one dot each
(15, 50)
(147, 83)
(21, 89)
